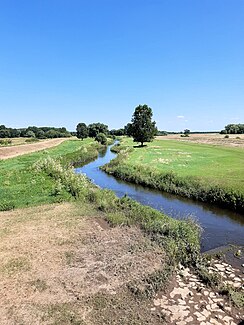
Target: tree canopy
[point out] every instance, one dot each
(143, 129)
(95, 128)
(82, 131)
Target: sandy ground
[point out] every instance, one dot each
(14, 151)
(234, 140)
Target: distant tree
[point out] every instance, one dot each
(95, 128)
(128, 129)
(4, 133)
(143, 129)
(14, 133)
(118, 132)
(234, 128)
(82, 131)
(30, 134)
(52, 134)
(187, 131)
(101, 138)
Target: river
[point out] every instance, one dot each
(221, 227)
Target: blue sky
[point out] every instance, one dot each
(64, 62)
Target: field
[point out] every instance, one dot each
(20, 146)
(217, 165)
(234, 140)
(204, 172)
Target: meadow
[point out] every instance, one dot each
(204, 172)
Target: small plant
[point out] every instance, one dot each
(5, 142)
(226, 136)
(6, 205)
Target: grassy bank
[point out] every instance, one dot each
(21, 186)
(201, 172)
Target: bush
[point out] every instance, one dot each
(5, 142)
(101, 138)
(226, 136)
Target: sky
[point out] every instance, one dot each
(68, 61)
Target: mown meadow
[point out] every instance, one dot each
(206, 173)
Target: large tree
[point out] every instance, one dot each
(143, 129)
(95, 128)
(82, 131)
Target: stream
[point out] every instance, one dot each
(221, 227)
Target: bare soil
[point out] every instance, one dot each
(14, 151)
(63, 264)
(234, 140)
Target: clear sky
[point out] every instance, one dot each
(69, 61)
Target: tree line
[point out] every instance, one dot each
(141, 128)
(34, 132)
(233, 129)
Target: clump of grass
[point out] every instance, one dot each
(16, 265)
(61, 314)
(65, 177)
(6, 205)
(151, 284)
(5, 142)
(39, 285)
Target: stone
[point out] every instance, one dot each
(157, 302)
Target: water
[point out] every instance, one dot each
(220, 226)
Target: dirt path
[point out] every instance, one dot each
(14, 151)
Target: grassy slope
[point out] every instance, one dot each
(21, 186)
(211, 164)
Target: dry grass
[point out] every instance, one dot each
(234, 140)
(63, 264)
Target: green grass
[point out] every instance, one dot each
(206, 173)
(211, 164)
(21, 185)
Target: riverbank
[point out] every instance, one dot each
(107, 257)
(200, 172)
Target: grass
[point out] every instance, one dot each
(203, 172)
(21, 185)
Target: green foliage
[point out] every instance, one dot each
(95, 128)
(82, 131)
(6, 205)
(143, 129)
(234, 128)
(30, 134)
(187, 131)
(101, 138)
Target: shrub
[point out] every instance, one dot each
(101, 138)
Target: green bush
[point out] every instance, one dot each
(101, 138)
